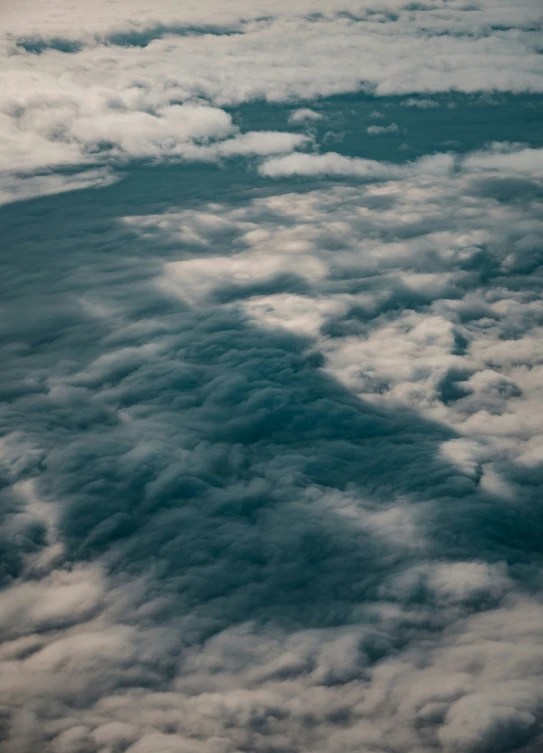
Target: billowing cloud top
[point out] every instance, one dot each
(271, 439)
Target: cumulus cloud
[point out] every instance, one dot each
(270, 438)
(332, 163)
(83, 84)
(304, 114)
(509, 159)
(269, 508)
(325, 47)
(77, 129)
(378, 130)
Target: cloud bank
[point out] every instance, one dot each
(120, 80)
(271, 447)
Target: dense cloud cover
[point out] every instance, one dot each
(271, 439)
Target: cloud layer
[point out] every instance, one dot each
(270, 509)
(271, 446)
(114, 81)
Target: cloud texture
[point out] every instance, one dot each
(271, 445)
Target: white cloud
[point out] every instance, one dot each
(300, 314)
(378, 130)
(332, 163)
(196, 278)
(492, 379)
(423, 103)
(261, 143)
(509, 159)
(82, 129)
(272, 462)
(104, 99)
(62, 597)
(304, 114)
(19, 189)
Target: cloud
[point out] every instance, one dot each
(17, 189)
(510, 159)
(332, 163)
(101, 84)
(261, 143)
(322, 55)
(422, 103)
(377, 130)
(78, 129)
(304, 114)
(271, 443)
(252, 509)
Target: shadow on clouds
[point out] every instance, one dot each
(215, 458)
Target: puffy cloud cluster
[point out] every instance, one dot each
(49, 126)
(332, 163)
(274, 485)
(270, 444)
(453, 295)
(101, 82)
(375, 130)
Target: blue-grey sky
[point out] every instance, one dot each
(271, 324)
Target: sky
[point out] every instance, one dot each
(271, 436)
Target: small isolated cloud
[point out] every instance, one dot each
(422, 103)
(332, 163)
(304, 115)
(375, 130)
(259, 143)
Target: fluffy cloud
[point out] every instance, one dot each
(304, 114)
(378, 130)
(73, 128)
(269, 510)
(92, 84)
(270, 440)
(332, 163)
